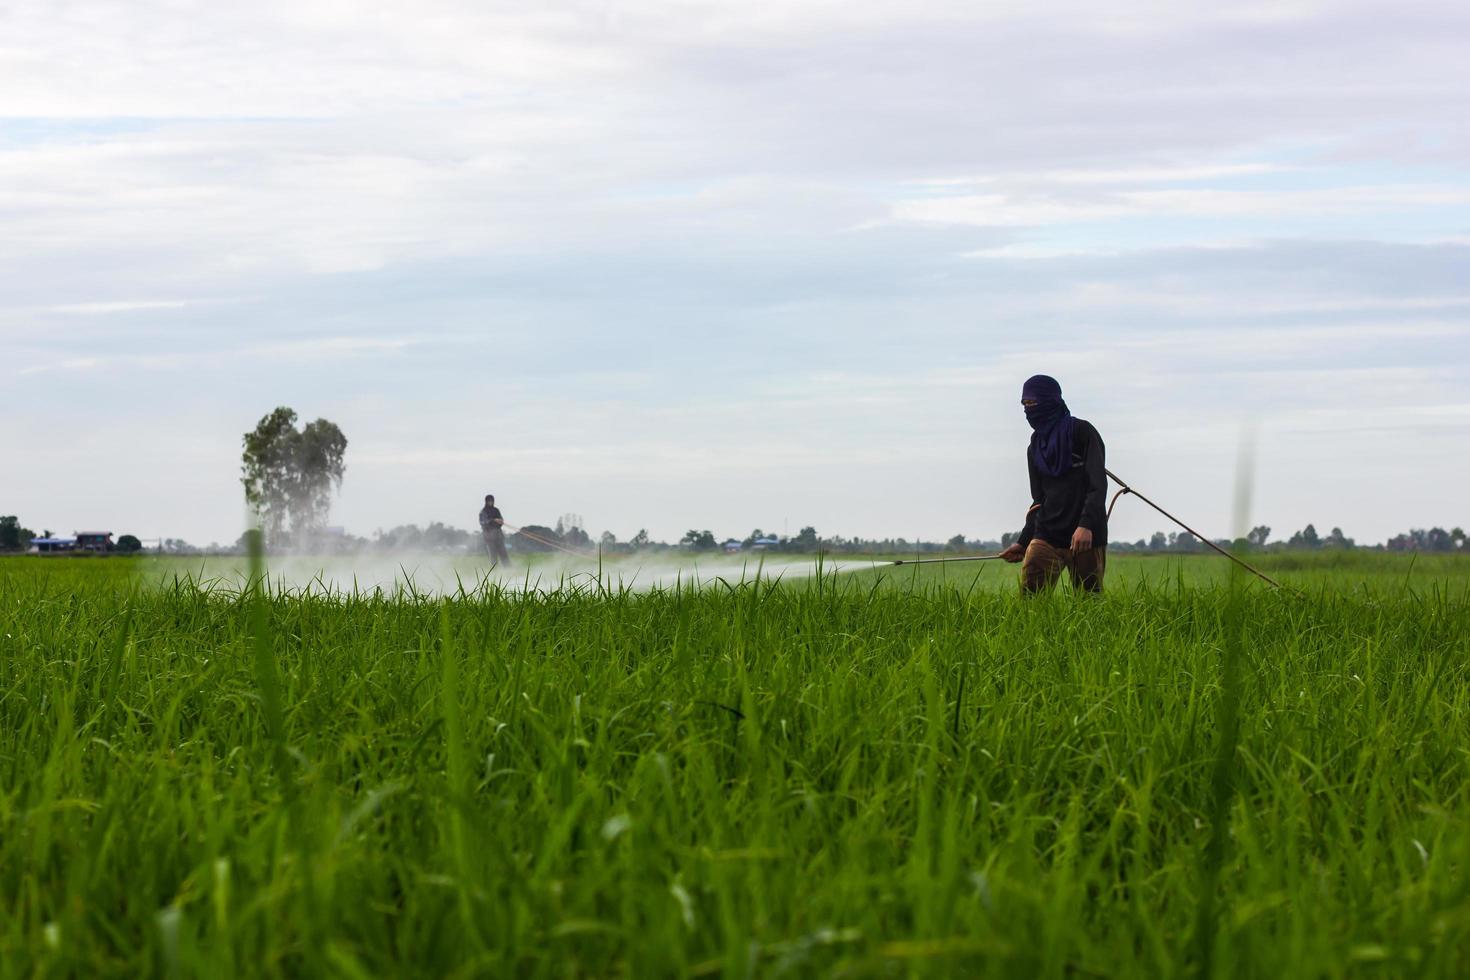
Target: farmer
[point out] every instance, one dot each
(491, 527)
(1067, 525)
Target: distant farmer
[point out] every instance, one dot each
(1067, 525)
(492, 527)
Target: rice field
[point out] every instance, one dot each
(856, 772)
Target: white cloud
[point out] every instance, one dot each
(117, 306)
(692, 258)
(278, 354)
(1139, 175)
(1040, 209)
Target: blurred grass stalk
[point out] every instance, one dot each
(259, 601)
(1223, 774)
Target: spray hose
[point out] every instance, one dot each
(1114, 502)
(548, 542)
(1123, 488)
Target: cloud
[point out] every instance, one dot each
(1040, 209)
(278, 354)
(117, 306)
(692, 258)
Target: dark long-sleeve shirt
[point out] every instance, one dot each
(1076, 498)
(488, 516)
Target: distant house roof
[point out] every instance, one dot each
(92, 534)
(53, 540)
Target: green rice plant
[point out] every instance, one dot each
(860, 773)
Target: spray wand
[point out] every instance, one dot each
(936, 561)
(1123, 488)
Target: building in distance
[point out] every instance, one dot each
(99, 542)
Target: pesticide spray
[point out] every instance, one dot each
(568, 566)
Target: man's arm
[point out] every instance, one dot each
(1017, 550)
(1095, 503)
(1038, 497)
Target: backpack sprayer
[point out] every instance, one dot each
(1123, 488)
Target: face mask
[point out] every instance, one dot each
(1040, 413)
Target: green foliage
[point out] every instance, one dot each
(806, 540)
(877, 774)
(13, 537)
(1305, 538)
(436, 537)
(289, 473)
(698, 541)
(534, 538)
(1433, 539)
(128, 544)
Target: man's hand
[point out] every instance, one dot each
(1014, 553)
(1081, 540)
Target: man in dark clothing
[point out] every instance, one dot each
(492, 529)
(1067, 524)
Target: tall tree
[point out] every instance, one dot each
(289, 473)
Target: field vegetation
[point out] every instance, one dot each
(908, 772)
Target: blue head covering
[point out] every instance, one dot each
(1051, 424)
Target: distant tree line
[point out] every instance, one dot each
(1307, 539)
(1434, 539)
(437, 537)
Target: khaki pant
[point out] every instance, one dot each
(1043, 565)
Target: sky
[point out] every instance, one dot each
(675, 264)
